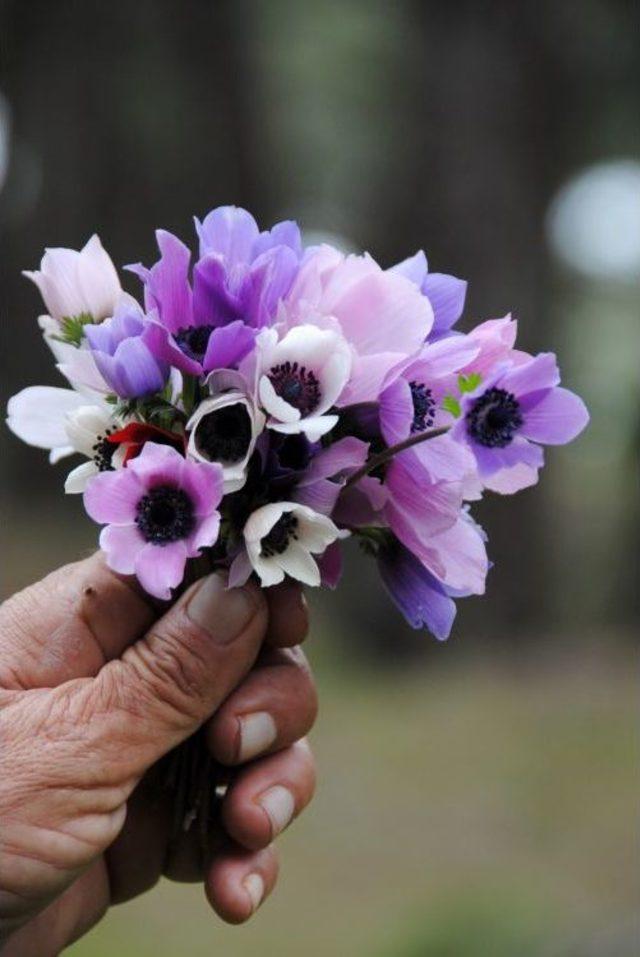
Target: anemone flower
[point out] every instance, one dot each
(124, 354)
(300, 377)
(511, 414)
(225, 428)
(78, 284)
(160, 510)
(281, 539)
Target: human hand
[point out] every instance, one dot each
(94, 689)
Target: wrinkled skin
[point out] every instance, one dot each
(96, 685)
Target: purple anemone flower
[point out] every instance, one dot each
(238, 283)
(517, 409)
(123, 351)
(429, 519)
(445, 293)
(159, 511)
(422, 599)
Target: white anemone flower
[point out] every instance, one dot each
(281, 539)
(225, 428)
(78, 283)
(66, 422)
(300, 377)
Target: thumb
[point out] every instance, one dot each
(169, 682)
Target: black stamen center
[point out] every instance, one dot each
(424, 407)
(193, 340)
(225, 434)
(494, 418)
(165, 515)
(103, 452)
(277, 541)
(297, 385)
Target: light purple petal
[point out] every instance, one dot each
(228, 346)
(321, 496)
(112, 497)
(157, 465)
(541, 372)
(415, 268)
(161, 568)
(214, 302)
(165, 349)
(519, 451)
(418, 594)
(121, 544)
(137, 371)
(167, 287)
(446, 295)
(286, 233)
(554, 417)
(229, 231)
(240, 571)
(341, 458)
(462, 554)
(396, 412)
(514, 479)
(330, 565)
(267, 282)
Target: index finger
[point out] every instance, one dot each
(288, 615)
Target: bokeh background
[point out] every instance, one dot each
(475, 798)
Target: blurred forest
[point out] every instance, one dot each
(504, 139)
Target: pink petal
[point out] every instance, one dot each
(161, 568)
(540, 372)
(206, 534)
(121, 544)
(112, 497)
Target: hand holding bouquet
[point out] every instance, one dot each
(262, 405)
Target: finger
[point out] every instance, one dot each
(274, 706)
(267, 795)
(239, 881)
(288, 615)
(170, 681)
(67, 625)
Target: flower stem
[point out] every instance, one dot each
(377, 460)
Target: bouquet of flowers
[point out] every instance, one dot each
(269, 401)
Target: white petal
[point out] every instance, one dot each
(61, 452)
(98, 280)
(263, 519)
(314, 428)
(85, 424)
(268, 570)
(274, 405)
(37, 415)
(298, 563)
(77, 479)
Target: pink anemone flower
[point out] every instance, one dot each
(159, 510)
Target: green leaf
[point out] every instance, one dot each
(451, 404)
(467, 383)
(72, 328)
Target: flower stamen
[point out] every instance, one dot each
(277, 541)
(424, 407)
(494, 418)
(297, 385)
(164, 515)
(193, 340)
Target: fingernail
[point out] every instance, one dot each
(257, 733)
(254, 886)
(279, 804)
(223, 612)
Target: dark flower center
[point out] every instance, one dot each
(424, 407)
(165, 515)
(193, 340)
(277, 541)
(297, 385)
(225, 434)
(494, 418)
(103, 451)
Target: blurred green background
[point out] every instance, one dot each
(475, 798)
